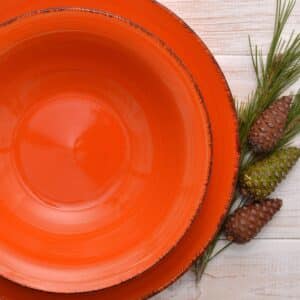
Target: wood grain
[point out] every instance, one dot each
(225, 24)
(269, 267)
(251, 272)
(239, 74)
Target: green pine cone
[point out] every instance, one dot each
(260, 180)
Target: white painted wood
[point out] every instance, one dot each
(225, 24)
(239, 74)
(257, 271)
(269, 267)
(260, 270)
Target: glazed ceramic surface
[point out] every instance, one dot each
(105, 149)
(224, 127)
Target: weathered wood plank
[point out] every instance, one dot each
(225, 25)
(239, 73)
(260, 270)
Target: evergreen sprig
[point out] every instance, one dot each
(275, 73)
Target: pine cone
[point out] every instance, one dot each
(269, 127)
(259, 180)
(246, 222)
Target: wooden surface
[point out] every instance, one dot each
(269, 267)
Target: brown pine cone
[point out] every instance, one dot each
(246, 222)
(269, 127)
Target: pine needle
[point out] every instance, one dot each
(293, 123)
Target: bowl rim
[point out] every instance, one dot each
(204, 112)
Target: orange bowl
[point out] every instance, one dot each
(105, 149)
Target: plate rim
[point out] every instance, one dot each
(235, 177)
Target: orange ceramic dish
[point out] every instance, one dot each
(217, 96)
(105, 149)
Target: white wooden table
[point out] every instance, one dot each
(269, 267)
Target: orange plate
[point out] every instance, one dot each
(105, 149)
(224, 127)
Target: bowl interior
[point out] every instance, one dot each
(105, 150)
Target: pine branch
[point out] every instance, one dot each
(274, 76)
